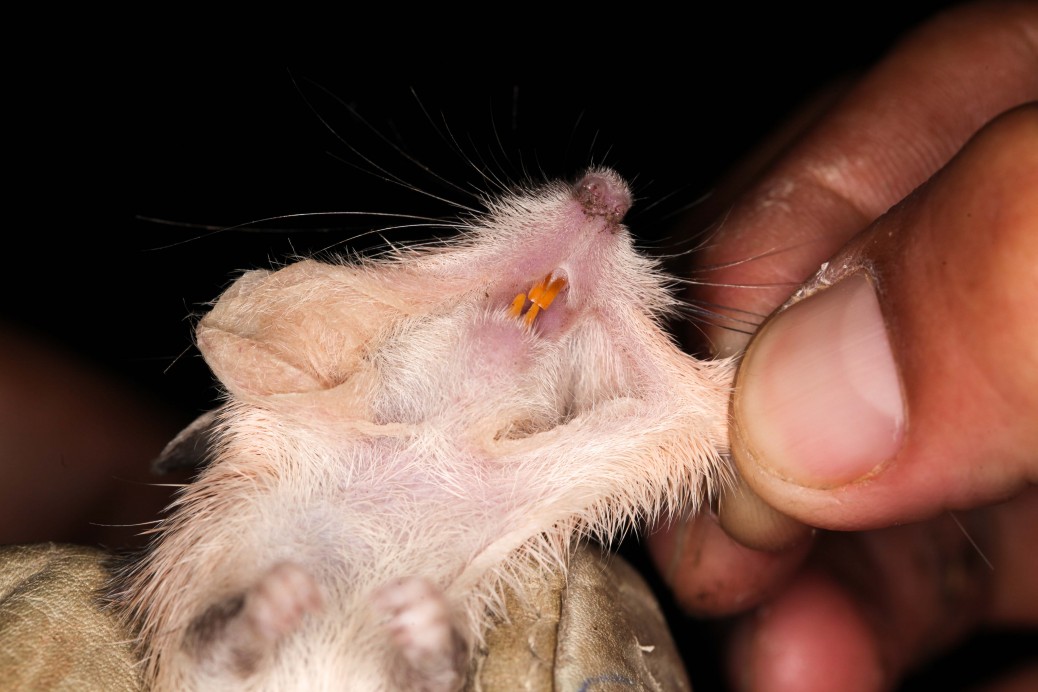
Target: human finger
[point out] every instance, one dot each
(901, 122)
(906, 383)
(874, 606)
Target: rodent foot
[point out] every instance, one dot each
(420, 626)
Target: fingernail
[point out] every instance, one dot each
(726, 342)
(819, 401)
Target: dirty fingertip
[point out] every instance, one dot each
(712, 575)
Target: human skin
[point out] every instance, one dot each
(74, 447)
(896, 399)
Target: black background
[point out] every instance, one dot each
(99, 147)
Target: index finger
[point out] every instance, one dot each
(902, 122)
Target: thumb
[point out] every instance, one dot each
(903, 380)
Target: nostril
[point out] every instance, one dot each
(602, 192)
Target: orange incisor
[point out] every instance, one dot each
(540, 298)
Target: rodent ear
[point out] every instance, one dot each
(300, 329)
(190, 449)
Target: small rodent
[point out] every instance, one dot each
(404, 435)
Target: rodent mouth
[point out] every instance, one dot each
(533, 309)
(527, 306)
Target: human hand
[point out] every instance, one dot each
(901, 387)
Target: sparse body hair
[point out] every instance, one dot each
(405, 436)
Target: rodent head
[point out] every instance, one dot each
(524, 322)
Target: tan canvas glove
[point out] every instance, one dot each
(53, 634)
(599, 626)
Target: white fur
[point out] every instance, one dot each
(390, 420)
